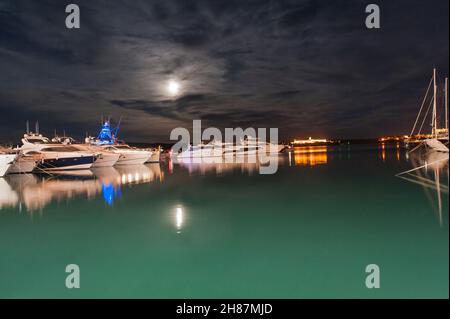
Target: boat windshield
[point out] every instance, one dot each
(38, 140)
(61, 149)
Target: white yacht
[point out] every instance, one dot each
(128, 154)
(54, 157)
(6, 160)
(107, 141)
(22, 163)
(154, 155)
(247, 146)
(252, 145)
(212, 149)
(104, 158)
(25, 163)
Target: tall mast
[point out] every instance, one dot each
(434, 118)
(446, 104)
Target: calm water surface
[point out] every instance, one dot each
(206, 231)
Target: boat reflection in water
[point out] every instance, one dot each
(431, 171)
(37, 191)
(215, 165)
(8, 196)
(299, 156)
(310, 156)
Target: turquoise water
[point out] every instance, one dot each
(205, 231)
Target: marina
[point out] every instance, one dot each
(231, 156)
(42, 155)
(164, 204)
(174, 215)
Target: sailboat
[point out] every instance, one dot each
(438, 139)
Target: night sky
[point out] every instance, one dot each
(306, 67)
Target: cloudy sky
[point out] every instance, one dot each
(307, 67)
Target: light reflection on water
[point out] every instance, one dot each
(430, 171)
(179, 218)
(174, 224)
(34, 192)
(311, 155)
(218, 168)
(37, 191)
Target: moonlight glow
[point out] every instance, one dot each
(173, 87)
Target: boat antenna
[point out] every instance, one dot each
(116, 130)
(37, 127)
(28, 127)
(434, 118)
(446, 104)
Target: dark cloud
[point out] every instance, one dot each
(307, 67)
(288, 93)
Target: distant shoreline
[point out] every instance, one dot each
(169, 145)
(336, 142)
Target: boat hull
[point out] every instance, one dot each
(132, 159)
(106, 160)
(65, 163)
(22, 166)
(153, 158)
(436, 145)
(6, 160)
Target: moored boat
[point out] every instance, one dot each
(105, 158)
(438, 139)
(247, 146)
(54, 157)
(6, 160)
(154, 157)
(107, 141)
(128, 155)
(25, 163)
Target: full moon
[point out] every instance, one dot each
(173, 87)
